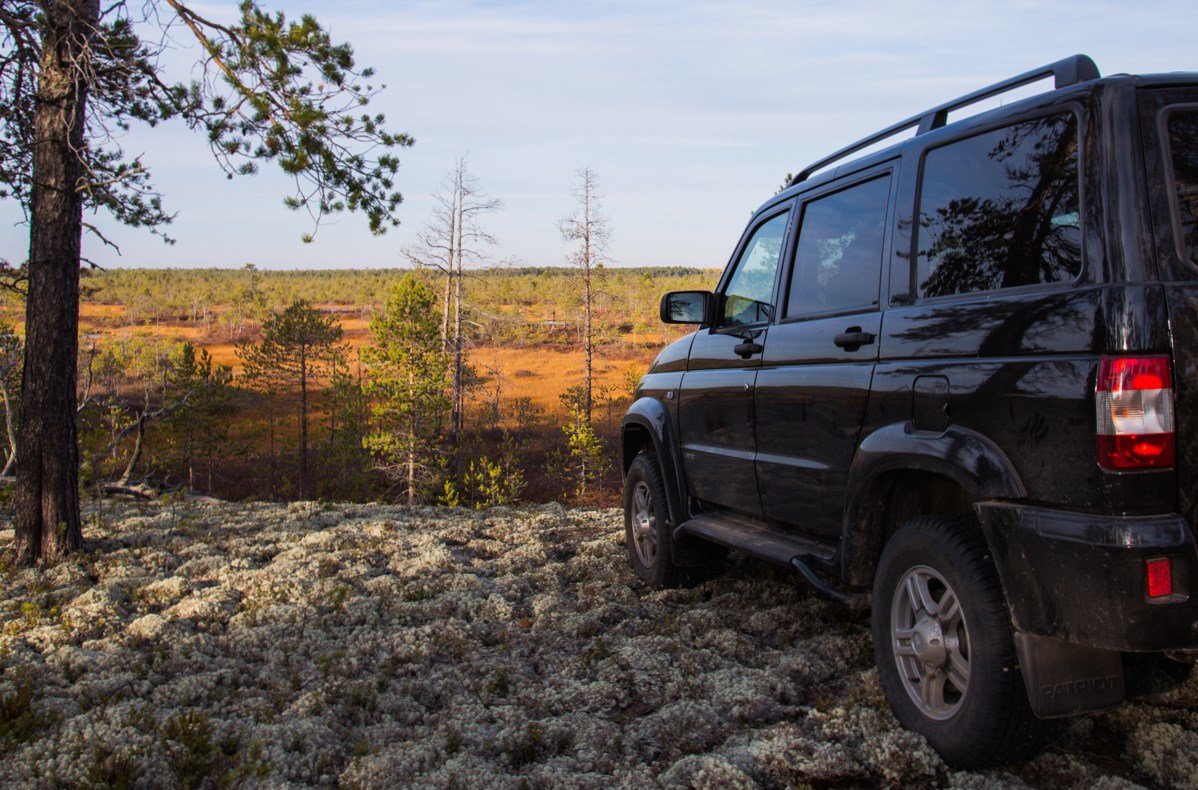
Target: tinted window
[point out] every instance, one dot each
(749, 292)
(1183, 147)
(838, 260)
(1000, 210)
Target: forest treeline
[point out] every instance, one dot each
(508, 304)
(338, 384)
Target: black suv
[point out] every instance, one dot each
(955, 381)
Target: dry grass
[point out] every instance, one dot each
(540, 374)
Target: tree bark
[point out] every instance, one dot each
(47, 520)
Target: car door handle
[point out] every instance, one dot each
(854, 339)
(747, 349)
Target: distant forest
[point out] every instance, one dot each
(523, 305)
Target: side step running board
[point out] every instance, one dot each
(860, 602)
(753, 537)
(759, 540)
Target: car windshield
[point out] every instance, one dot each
(1182, 129)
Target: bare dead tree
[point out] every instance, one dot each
(590, 228)
(452, 240)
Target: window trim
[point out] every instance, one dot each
(1072, 108)
(888, 169)
(756, 223)
(1171, 177)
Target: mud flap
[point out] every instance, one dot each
(1064, 679)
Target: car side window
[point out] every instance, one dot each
(1001, 209)
(838, 259)
(749, 294)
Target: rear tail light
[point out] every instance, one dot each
(1135, 413)
(1158, 574)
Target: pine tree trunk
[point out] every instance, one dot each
(47, 494)
(333, 406)
(270, 416)
(587, 344)
(458, 377)
(303, 423)
(459, 397)
(445, 306)
(412, 405)
(586, 279)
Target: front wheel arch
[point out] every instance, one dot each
(647, 427)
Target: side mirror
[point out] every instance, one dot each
(687, 307)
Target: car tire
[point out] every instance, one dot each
(944, 647)
(647, 531)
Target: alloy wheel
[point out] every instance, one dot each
(931, 642)
(644, 524)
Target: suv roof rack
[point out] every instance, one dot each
(1070, 71)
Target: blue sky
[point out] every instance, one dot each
(691, 113)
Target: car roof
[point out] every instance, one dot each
(1084, 81)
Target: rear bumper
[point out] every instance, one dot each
(1080, 577)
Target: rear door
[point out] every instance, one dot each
(814, 383)
(716, 399)
(1170, 133)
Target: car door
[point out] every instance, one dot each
(716, 429)
(814, 381)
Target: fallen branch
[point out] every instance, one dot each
(137, 492)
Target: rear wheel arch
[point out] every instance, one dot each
(887, 502)
(898, 474)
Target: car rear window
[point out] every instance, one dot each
(1001, 209)
(1181, 126)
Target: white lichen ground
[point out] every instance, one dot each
(207, 643)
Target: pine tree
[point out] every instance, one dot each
(347, 458)
(298, 346)
(406, 383)
(202, 425)
(585, 453)
(73, 76)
